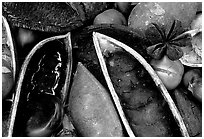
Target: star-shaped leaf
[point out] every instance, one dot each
(167, 41)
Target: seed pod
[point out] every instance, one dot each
(9, 72)
(41, 89)
(193, 54)
(58, 17)
(8, 56)
(84, 48)
(105, 47)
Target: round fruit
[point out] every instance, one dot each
(110, 16)
(123, 7)
(197, 89)
(146, 13)
(190, 76)
(193, 81)
(170, 72)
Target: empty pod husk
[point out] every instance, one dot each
(9, 72)
(41, 90)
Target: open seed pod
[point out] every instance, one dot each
(137, 91)
(192, 55)
(41, 89)
(8, 52)
(58, 17)
(9, 70)
(84, 51)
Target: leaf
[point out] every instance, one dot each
(153, 35)
(161, 29)
(174, 52)
(177, 29)
(156, 51)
